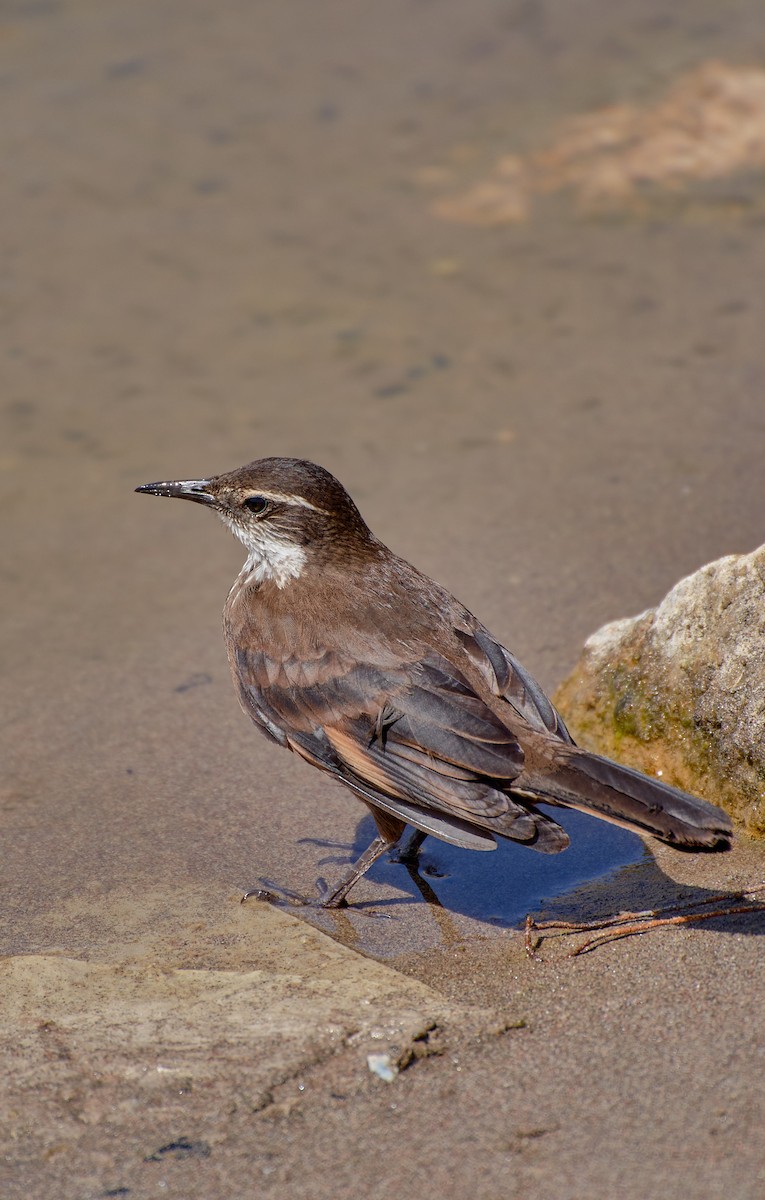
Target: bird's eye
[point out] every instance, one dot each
(256, 504)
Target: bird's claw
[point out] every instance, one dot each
(281, 897)
(273, 893)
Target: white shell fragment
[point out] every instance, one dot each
(383, 1066)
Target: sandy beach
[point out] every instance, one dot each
(238, 230)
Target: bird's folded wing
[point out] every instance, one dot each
(415, 733)
(508, 678)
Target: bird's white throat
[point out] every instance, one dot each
(269, 557)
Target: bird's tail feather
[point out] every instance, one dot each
(616, 793)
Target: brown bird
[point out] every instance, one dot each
(369, 670)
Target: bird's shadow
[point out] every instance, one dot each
(605, 870)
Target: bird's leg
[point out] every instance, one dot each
(408, 849)
(336, 898)
(326, 898)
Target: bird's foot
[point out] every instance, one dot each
(273, 893)
(631, 924)
(281, 897)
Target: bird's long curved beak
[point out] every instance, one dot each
(184, 489)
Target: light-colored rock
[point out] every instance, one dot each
(124, 1044)
(679, 691)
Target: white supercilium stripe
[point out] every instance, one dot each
(283, 498)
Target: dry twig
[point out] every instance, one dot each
(628, 924)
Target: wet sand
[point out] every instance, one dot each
(219, 243)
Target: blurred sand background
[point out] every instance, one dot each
(499, 267)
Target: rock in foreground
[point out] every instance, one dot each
(679, 691)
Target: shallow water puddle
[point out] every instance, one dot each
(452, 893)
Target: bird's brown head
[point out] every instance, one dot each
(287, 512)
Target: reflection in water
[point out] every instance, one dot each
(500, 887)
(492, 889)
